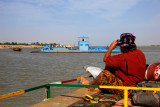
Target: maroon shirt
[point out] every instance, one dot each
(131, 66)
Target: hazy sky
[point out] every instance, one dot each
(62, 21)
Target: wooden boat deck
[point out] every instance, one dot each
(65, 100)
(72, 98)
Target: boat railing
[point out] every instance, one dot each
(60, 84)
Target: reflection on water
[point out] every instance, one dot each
(23, 70)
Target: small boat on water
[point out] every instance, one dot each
(17, 49)
(83, 47)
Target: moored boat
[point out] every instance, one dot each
(17, 49)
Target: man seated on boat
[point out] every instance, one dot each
(125, 69)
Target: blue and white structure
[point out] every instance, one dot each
(83, 47)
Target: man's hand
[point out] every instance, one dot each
(113, 45)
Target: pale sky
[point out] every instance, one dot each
(62, 21)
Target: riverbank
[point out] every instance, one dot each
(19, 46)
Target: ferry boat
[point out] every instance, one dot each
(83, 47)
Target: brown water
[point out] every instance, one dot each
(23, 70)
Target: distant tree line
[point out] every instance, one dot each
(35, 43)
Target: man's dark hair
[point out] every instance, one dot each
(125, 50)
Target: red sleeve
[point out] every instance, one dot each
(115, 61)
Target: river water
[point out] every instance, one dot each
(23, 70)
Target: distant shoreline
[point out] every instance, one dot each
(149, 46)
(19, 46)
(38, 46)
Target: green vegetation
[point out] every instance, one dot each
(35, 43)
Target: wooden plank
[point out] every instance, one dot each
(66, 99)
(12, 94)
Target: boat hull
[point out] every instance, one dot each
(66, 50)
(74, 52)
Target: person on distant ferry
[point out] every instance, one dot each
(125, 69)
